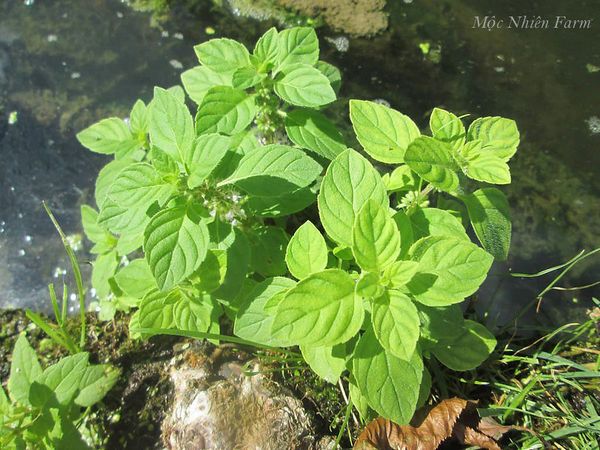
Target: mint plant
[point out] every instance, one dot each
(194, 214)
(44, 407)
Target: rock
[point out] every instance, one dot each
(235, 411)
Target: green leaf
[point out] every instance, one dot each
(222, 55)
(107, 176)
(448, 128)
(306, 252)
(283, 205)
(24, 370)
(273, 170)
(482, 165)
(498, 135)
(267, 47)
(171, 125)
(320, 310)
(119, 219)
(349, 182)
(64, 377)
(103, 240)
(450, 269)
(207, 153)
(375, 237)
(103, 268)
(332, 73)
(234, 242)
(268, 250)
(246, 77)
(406, 232)
(225, 110)
(298, 45)
(399, 273)
(400, 179)
(139, 186)
(390, 384)
(252, 321)
(303, 85)
(327, 362)
(198, 80)
(368, 285)
(432, 160)
(176, 309)
(95, 384)
(178, 93)
(440, 324)
(436, 222)
(383, 132)
(311, 130)
(138, 120)
(468, 350)
(211, 272)
(395, 322)
(490, 216)
(108, 136)
(175, 243)
(136, 278)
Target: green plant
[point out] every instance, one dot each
(210, 205)
(44, 406)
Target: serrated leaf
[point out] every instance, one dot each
(490, 216)
(327, 362)
(304, 85)
(198, 80)
(222, 55)
(332, 73)
(399, 273)
(482, 165)
(369, 285)
(395, 322)
(211, 273)
(441, 323)
(406, 232)
(349, 182)
(432, 160)
(468, 350)
(171, 125)
(298, 45)
(109, 136)
(306, 252)
(252, 321)
(268, 250)
(24, 370)
(246, 77)
(176, 309)
(448, 128)
(139, 186)
(450, 269)
(95, 384)
(390, 384)
(207, 152)
(498, 135)
(273, 170)
(107, 176)
(400, 179)
(103, 268)
(375, 237)
(136, 278)
(283, 205)
(313, 131)
(139, 120)
(225, 110)
(383, 132)
(64, 377)
(104, 241)
(321, 310)
(436, 222)
(267, 46)
(175, 244)
(120, 219)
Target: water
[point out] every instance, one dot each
(65, 64)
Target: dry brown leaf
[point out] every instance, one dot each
(452, 418)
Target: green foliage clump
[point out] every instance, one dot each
(201, 208)
(44, 407)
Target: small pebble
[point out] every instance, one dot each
(176, 64)
(75, 75)
(52, 38)
(178, 36)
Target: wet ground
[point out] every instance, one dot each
(66, 63)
